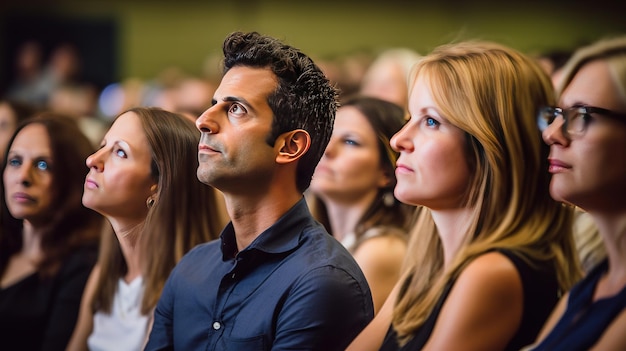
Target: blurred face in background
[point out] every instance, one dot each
(350, 168)
(386, 80)
(7, 126)
(27, 176)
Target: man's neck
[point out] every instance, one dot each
(251, 217)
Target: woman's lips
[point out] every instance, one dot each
(557, 166)
(90, 184)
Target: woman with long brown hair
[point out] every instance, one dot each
(143, 180)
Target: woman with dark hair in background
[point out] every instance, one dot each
(48, 239)
(352, 190)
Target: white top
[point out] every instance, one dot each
(351, 243)
(125, 328)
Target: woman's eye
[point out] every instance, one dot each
(351, 142)
(120, 153)
(581, 121)
(14, 162)
(587, 118)
(236, 109)
(42, 165)
(431, 122)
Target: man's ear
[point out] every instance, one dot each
(292, 145)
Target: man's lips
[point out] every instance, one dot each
(206, 148)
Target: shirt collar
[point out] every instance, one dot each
(282, 236)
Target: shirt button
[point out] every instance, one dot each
(217, 325)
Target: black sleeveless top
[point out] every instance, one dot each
(541, 293)
(584, 320)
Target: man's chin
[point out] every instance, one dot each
(203, 175)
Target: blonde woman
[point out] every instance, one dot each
(493, 251)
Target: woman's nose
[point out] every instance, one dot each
(401, 140)
(25, 174)
(553, 134)
(95, 161)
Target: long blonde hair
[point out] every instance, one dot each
(492, 93)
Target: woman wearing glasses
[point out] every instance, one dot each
(587, 138)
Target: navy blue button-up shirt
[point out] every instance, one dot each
(293, 288)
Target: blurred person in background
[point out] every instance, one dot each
(387, 76)
(352, 190)
(48, 239)
(80, 102)
(12, 113)
(27, 86)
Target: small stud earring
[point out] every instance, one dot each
(388, 199)
(149, 202)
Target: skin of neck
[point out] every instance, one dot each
(612, 228)
(252, 213)
(452, 225)
(344, 215)
(128, 232)
(31, 240)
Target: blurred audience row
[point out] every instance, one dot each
(56, 85)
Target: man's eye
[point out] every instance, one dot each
(236, 109)
(14, 162)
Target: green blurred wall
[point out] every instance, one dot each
(157, 34)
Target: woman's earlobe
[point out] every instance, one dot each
(152, 198)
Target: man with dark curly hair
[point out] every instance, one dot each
(276, 280)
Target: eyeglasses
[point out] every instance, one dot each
(575, 119)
